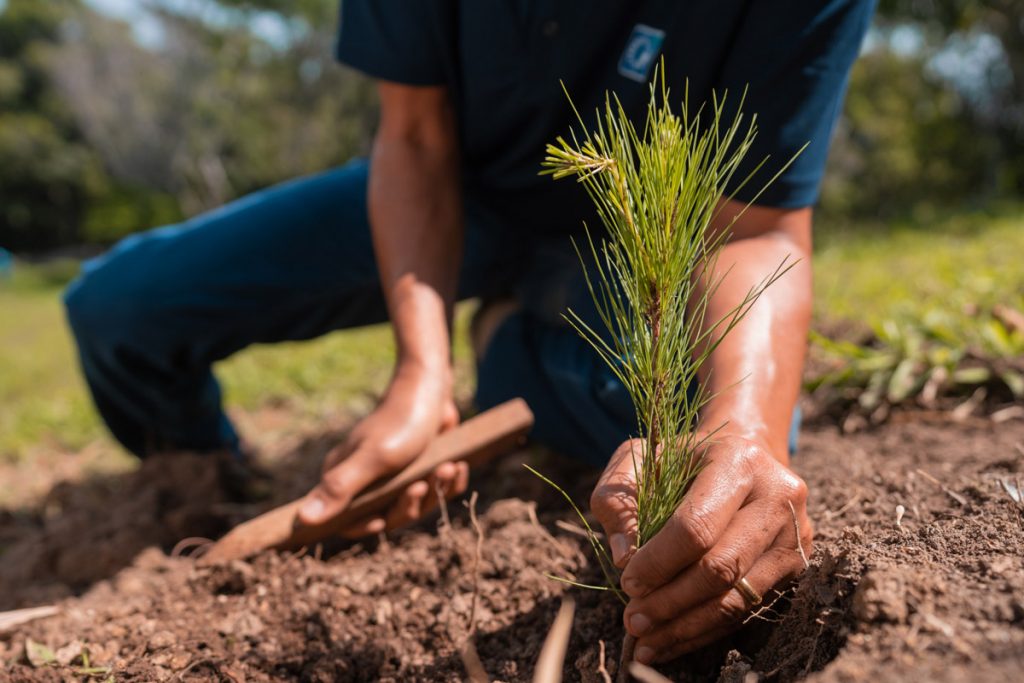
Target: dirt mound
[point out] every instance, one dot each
(83, 533)
(922, 565)
(933, 592)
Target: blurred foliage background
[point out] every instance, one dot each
(117, 115)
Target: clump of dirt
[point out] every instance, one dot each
(921, 570)
(80, 534)
(936, 591)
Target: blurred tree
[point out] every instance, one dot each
(101, 136)
(994, 90)
(904, 142)
(934, 117)
(216, 111)
(46, 172)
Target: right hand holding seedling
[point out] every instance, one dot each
(416, 407)
(738, 520)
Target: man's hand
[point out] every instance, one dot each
(735, 522)
(415, 409)
(415, 214)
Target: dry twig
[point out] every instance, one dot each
(215, 664)
(467, 649)
(952, 494)
(445, 523)
(829, 514)
(197, 544)
(796, 528)
(646, 674)
(576, 529)
(967, 408)
(601, 668)
(1006, 414)
(471, 660)
(561, 547)
(764, 609)
(1015, 490)
(626, 660)
(552, 654)
(471, 626)
(17, 617)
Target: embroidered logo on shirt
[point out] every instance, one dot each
(642, 49)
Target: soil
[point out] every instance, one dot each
(935, 592)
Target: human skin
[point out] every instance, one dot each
(416, 219)
(735, 522)
(741, 516)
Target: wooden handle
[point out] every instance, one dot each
(475, 440)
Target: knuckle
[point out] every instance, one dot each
(720, 569)
(611, 505)
(746, 458)
(334, 457)
(795, 489)
(697, 530)
(808, 545)
(335, 483)
(732, 608)
(387, 454)
(658, 569)
(679, 631)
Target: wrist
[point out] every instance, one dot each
(752, 428)
(423, 377)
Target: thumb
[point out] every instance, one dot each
(614, 500)
(338, 486)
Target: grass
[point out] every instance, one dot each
(940, 305)
(872, 274)
(868, 273)
(43, 398)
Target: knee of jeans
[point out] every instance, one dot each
(95, 303)
(80, 307)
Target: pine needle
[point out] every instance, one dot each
(657, 191)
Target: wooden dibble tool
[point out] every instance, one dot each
(476, 440)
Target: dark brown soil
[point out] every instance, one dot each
(935, 595)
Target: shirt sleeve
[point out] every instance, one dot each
(794, 59)
(405, 41)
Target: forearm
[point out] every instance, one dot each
(414, 208)
(756, 371)
(416, 219)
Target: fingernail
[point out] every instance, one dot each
(644, 654)
(639, 625)
(313, 508)
(620, 547)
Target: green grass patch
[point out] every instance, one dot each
(44, 399)
(943, 302)
(869, 274)
(873, 273)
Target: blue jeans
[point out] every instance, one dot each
(295, 262)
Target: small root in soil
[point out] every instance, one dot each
(602, 670)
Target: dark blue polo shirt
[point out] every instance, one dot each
(503, 61)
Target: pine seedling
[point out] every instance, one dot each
(658, 191)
